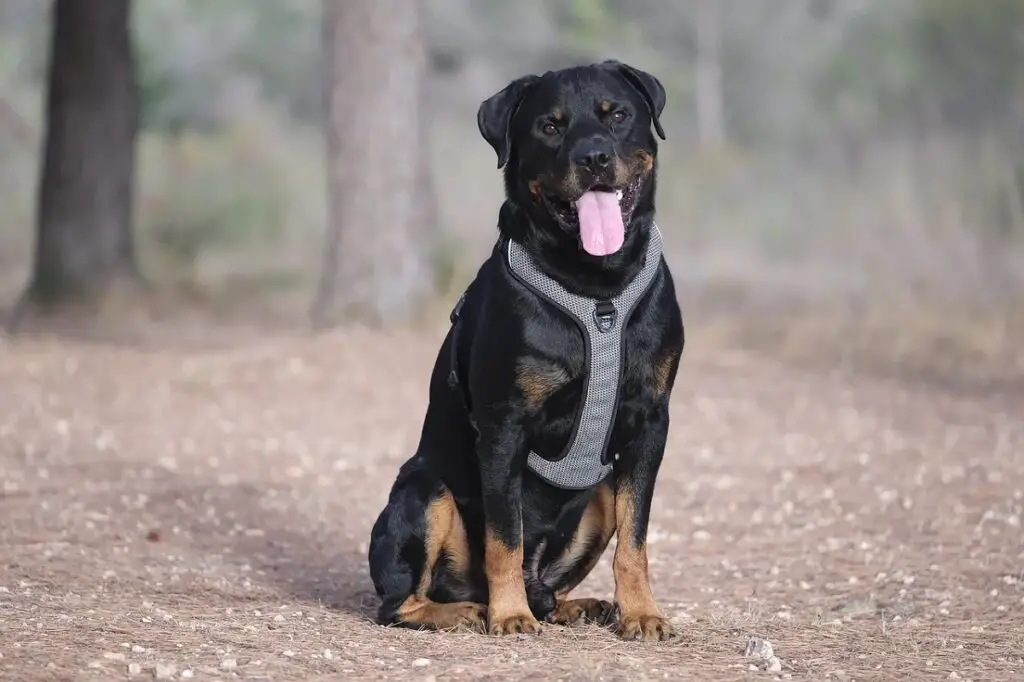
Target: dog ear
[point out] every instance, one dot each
(647, 86)
(494, 117)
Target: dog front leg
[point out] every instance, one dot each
(639, 616)
(502, 456)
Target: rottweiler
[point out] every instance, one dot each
(475, 533)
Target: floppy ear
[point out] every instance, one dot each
(647, 86)
(494, 117)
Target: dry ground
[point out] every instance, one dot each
(204, 513)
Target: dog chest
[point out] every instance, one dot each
(585, 461)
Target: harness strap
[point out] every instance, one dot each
(586, 461)
(453, 353)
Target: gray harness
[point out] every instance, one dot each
(582, 464)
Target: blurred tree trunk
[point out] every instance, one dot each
(710, 109)
(84, 243)
(379, 261)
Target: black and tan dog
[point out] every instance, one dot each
(471, 534)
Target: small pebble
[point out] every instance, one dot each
(164, 671)
(421, 662)
(136, 649)
(279, 618)
(187, 674)
(759, 648)
(328, 655)
(774, 665)
(228, 664)
(134, 668)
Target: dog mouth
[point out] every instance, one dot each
(599, 215)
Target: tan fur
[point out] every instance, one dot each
(445, 532)
(538, 380)
(424, 612)
(507, 609)
(598, 521)
(646, 159)
(663, 369)
(572, 611)
(639, 616)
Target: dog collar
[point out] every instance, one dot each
(585, 462)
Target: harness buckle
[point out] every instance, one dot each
(453, 371)
(457, 310)
(605, 315)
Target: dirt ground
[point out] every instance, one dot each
(181, 512)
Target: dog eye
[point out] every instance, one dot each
(549, 129)
(618, 116)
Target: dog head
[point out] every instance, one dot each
(578, 151)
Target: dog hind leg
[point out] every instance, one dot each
(417, 527)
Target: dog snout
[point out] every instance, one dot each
(593, 153)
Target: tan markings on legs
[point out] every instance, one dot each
(538, 379)
(437, 616)
(440, 518)
(571, 611)
(597, 525)
(597, 522)
(445, 532)
(507, 609)
(663, 370)
(639, 617)
(456, 547)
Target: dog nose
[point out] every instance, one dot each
(593, 153)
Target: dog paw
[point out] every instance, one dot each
(468, 615)
(447, 616)
(644, 627)
(516, 623)
(574, 610)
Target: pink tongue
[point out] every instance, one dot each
(601, 227)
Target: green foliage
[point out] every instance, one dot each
(185, 50)
(960, 60)
(293, 29)
(972, 54)
(592, 25)
(215, 196)
(954, 68)
(590, 22)
(872, 75)
(852, 125)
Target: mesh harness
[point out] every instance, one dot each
(584, 462)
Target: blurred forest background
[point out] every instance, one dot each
(861, 159)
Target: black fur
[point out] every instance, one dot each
(477, 433)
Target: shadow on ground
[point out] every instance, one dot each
(257, 530)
